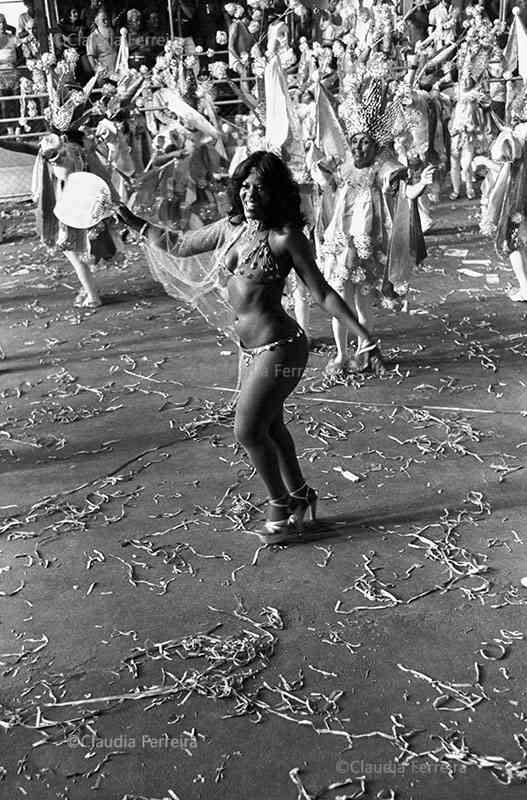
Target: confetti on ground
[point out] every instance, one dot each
(123, 578)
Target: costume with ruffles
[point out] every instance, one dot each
(99, 242)
(375, 232)
(468, 124)
(504, 199)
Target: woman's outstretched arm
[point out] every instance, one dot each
(191, 243)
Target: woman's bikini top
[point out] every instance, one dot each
(256, 261)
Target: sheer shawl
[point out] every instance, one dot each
(190, 266)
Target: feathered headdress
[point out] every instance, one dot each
(66, 99)
(369, 107)
(480, 42)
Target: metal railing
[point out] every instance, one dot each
(22, 70)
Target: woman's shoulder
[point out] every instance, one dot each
(285, 237)
(288, 229)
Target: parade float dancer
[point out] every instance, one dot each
(420, 135)
(471, 127)
(504, 199)
(283, 123)
(240, 290)
(187, 153)
(375, 232)
(65, 150)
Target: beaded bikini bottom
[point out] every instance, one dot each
(250, 353)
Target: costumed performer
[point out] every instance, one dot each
(66, 149)
(375, 229)
(504, 196)
(258, 244)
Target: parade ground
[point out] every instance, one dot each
(150, 647)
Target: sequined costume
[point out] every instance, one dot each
(195, 266)
(504, 198)
(374, 233)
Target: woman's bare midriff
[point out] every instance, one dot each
(259, 315)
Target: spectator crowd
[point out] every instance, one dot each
(415, 94)
(94, 30)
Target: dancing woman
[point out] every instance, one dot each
(261, 242)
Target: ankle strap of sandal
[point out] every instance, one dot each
(280, 502)
(300, 490)
(366, 347)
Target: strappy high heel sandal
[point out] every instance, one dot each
(304, 500)
(368, 358)
(279, 531)
(80, 298)
(336, 367)
(83, 301)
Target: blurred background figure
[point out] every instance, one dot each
(101, 48)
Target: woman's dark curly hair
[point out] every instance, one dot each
(284, 196)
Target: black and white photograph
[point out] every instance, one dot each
(263, 400)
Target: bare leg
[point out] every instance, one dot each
(285, 450)
(455, 172)
(266, 383)
(363, 306)
(467, 155)
(238, 386)
(341, 333)
(519, 266)
(302, 498)
(85, 277)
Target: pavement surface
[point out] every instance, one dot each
(149, 648)
(16, 170)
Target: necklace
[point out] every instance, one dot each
(254, 226)
(254, 245)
